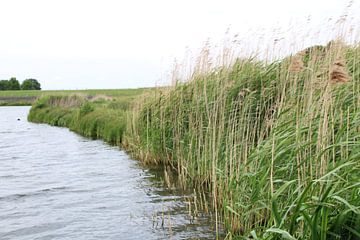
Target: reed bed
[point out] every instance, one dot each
(276, 143)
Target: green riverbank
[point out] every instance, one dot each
(277, 144)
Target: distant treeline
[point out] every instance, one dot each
(14, 84)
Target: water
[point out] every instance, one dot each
(55, 184)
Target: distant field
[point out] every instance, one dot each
(28, 97)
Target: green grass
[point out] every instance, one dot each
(27, 97)
(90, 92)
(97, 117)
(278, 148)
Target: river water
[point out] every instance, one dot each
(55, 184)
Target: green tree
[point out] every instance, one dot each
(13, 84)
(30, 84)
(4, 85)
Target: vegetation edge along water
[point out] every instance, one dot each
(277, 144)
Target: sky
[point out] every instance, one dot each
(93, 44)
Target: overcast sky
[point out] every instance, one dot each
(82, 44)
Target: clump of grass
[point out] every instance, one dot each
(86, 108)
(95, 119)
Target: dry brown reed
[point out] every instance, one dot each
(297, 64)
(100, 97)
(70, 101)
(338, 73)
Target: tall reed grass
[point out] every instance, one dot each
(277, 143)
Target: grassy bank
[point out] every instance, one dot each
(277, 144)
(99, 117)
(28, 97)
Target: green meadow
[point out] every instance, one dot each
(27, 97)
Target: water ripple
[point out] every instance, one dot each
(55, 184)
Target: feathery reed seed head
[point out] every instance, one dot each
(297, 64)
(338, 73)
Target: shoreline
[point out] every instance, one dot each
(276, 144)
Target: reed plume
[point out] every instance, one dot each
(297, 64)
(338, 73)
